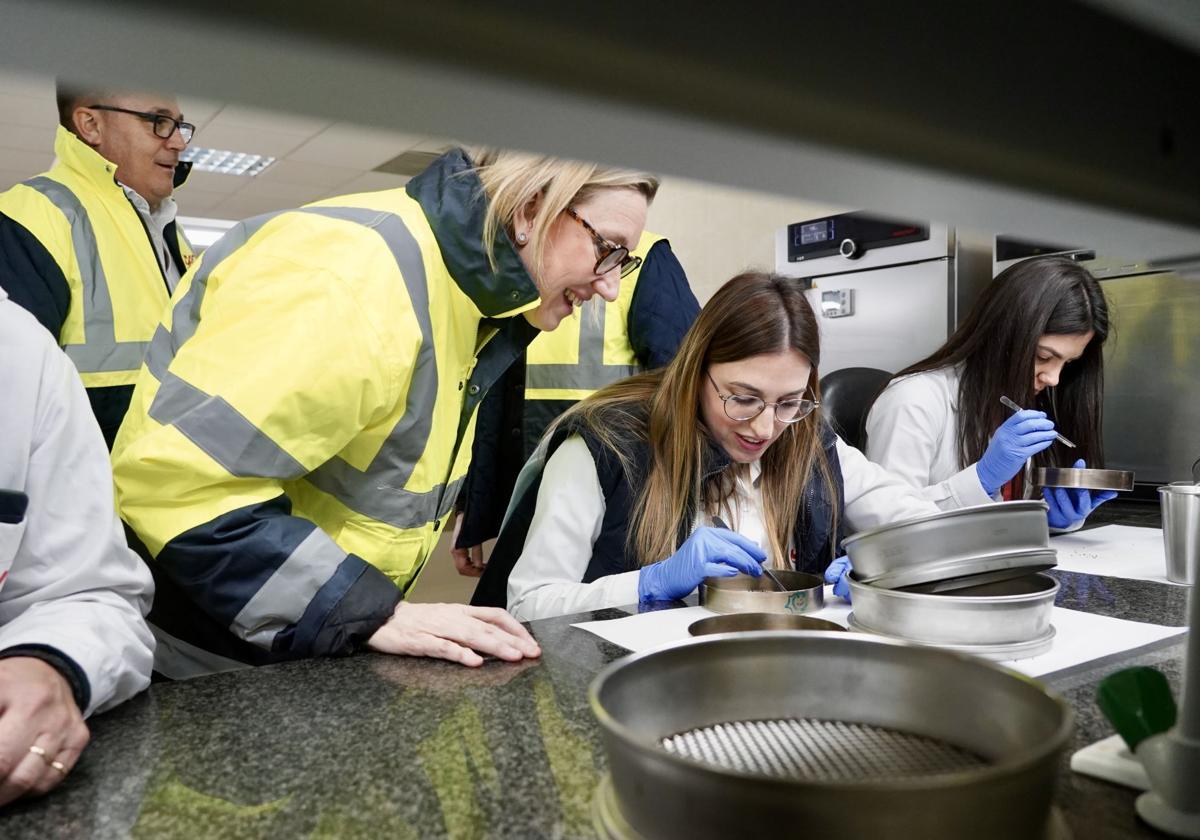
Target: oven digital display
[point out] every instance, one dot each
(821, 231)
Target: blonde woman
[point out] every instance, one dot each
(303, 421)
(634, 476)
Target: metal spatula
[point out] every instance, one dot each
(720, 523)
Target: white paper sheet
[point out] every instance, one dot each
(1115, 550)
(1080, 637)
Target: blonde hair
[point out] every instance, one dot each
(752, 314)
(513, 179)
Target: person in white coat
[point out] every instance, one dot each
(73, 639)
(715, 465)
(1037, 336)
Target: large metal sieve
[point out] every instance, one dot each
(952, 544)
(835, 734)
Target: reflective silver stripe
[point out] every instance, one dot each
(185, 314)
(233, 442)
(589, 373)
(221, 432)
(100, 352)
(378, 491)
(282, 599)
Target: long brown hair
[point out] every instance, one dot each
(753, 314)
(996, 346)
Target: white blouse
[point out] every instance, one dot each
(912, 431)
(547, 578)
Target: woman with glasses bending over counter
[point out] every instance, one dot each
(617, 506)
(1037, 336)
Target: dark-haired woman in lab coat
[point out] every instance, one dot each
(1036, 335)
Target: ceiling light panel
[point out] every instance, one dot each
(226, 162)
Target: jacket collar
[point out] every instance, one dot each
(452, 198)
(85, 162)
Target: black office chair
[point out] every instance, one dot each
(846, 397)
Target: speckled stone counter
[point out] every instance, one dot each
(374, 746)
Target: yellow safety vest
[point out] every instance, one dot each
(326, 354)
(80, 214)
(588, 350)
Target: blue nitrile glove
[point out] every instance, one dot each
(1069, 506)
(836, 574)
(1018, 439)
(708, 552)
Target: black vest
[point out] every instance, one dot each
(812, 537)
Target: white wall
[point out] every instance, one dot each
(718, 232)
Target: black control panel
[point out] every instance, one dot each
(849, 234)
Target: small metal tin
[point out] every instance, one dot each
(1083, 478)
(744, 594)
(750, 622)
(951, 538)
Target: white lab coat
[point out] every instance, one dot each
(912, 431)
(67, 578)
(546, 579)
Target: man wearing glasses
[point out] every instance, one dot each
(91, 247)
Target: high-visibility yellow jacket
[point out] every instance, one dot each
(590, 350)
(78, 257)
(303, 421)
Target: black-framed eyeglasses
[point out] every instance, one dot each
(609, 255)
(743, 407)
(164, 126)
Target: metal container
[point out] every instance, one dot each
(1180, 503)
(958, 573)
(825, 735)
(751, 622)
(744, 594)
(1005, 619)
(1086, 478)
(952, 543)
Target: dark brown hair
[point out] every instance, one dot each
(996, 347)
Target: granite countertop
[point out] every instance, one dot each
(371, 746)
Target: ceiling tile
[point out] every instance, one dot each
(214, 182)
(9, 177)
(271, 121)
(372, 181)
(28, 162)
(199, 112)
(243, 207)
(31, 86)
(27, 137)
(27, 110)
(350, 145)
(219, 134)
(289, 193)
(195, 202)
(309, 173)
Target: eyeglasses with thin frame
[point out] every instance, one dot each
(609, 254)
(742, 407)
(164, 126)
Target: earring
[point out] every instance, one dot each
(522, 238)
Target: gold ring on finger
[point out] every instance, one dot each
(59, 766)
(40, 753)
